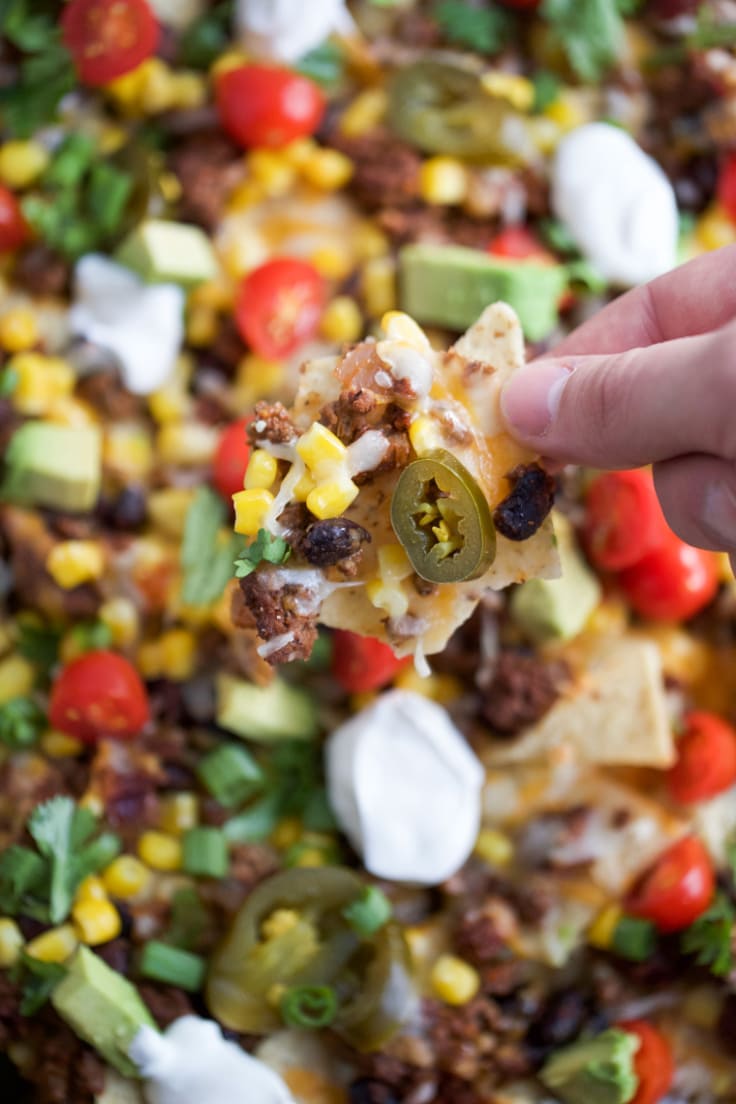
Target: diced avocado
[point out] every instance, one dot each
(278, 711)
(594, 1071)
(101, 1007)
(449, 285)
(547, 609)
(169, 253)
(53, 465)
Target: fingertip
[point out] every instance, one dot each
(531, 398)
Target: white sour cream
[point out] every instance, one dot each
(617, 204)
(287, 29)
(406, 788)
(192, 1061)
(142, 324)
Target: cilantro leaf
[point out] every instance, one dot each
(38, 980)
(325, 65)
(23, 875)
(38, 643)
(265, 548)
(21, 723)
(206, 553)
(589, 31)
(484, 29)
(709, 938)
(45, 78)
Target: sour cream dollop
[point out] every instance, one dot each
(406, 788)
(142, 324)
(192, 1061)
(617, 204)
(287, 29)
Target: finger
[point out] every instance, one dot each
(698, 496)
(692, 299)
(630, 408)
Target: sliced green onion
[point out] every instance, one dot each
(230, 774)
(108, 192)
(318, 815)
(172, 966)
(91, 635)
(71, 161)
(309, 1006)
(257, 822)
(634, 939)
(205, 853)
(368, 912)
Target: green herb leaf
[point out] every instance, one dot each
(207, 37)
(325, 65)
(38, 643)
(710, 937)
(21, 723)
(38, 980)
(589, 31)
(23, 878)
(265, 548)
(107, 195)
(45, 78)
(27, 24)
(486, 30)
(206, 552)
(369, 912)
(88, 636)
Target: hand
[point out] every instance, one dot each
(650, 380)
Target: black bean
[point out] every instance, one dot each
(368, 1091)
(562, 1019)
(525, 508)
(127, 512)
(326, 543)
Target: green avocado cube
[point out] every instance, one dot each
(278, 711)
(53, 465)
(594, 1071)
(169, 253)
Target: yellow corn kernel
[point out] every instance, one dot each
(11, 942)
(261, 471)
(71, 563)
(159, 88)
(424, 435)
(365, 113)
(127, 450)
(170, 404)
(218, 294)
(93, 802)
(126, 91)
(21, 163)
(702, 1006)
(331, 498)
(168, 509)
(126, 877)
(149, 660)
(369, 241)
(188, 90)
(91, 889)
(187, 443)
(393, 563)
(233, 59)
(279, 922)
(287, 832)
(251, 508)
(179, 813)
(399, 326)
(304, 488)
(494, 847)
(311, 857)
(121, 618)
(332, 262)
(342, 320)
(443, 180)
(319, 448)
(515, 89)
(601, 931)
(96, 921)
(202, 327)
(41, 382)
(453, 980)
(57, 745)
(714, 228)
(17, 677)
(170, 187)
(609, 617)
(378, 285)
(298, 151)
(244, 196)
(327, 169)
(274, 174)
(257, 378)
(18, 330)
(388, 596)
(160, 851)
(178, 654)
(684, 657)
(567, 111)
(440, 688)
(54, 945)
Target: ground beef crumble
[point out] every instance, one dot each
(279, 428)
(276, 611)
(208, 166)
(521, 690)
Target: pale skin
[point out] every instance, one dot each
(649, 380)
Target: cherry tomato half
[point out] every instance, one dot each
(99, 695)
(362, 663)
(231, 458)
(706, 758)
(108, 38)
(654, 1065)
(279, 306)
(672, 583)
(677, 888)
(263, 105)
(726, 187)
(518, 243)
(14, 230)
(623, 519)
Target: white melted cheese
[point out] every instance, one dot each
(143, 325)
(617, 204)
(287, 29)
(365, 454)
(192, 1062)
(407, 364)
(406, 788)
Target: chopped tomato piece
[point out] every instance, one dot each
(677, 889)
(706, 758)
(231, 458)
(108, 38)
(726, 188)
(279, 306)
(99, 695)
(672, 583)
(361, 663)
(654, 1065)
(263, 105)
(623, 519)
(14, 230)
(518, 243)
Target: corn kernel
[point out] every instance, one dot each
(11, 942)
(96, 921)
(18, 330)
(399, 326)
(453, 980)
(170, 404)
(251, 508)
(388, 596)
(216, 294)
(71, 563)
(202, 327)
(168, 509)
(393, 563)
(57, 745)
(179, 813)
(128, 451)
(121, 618)
(257, 378)
(126, 91)
(568, 111)
(21, 163)
(311, 857)
(261, 471)
(287, 832)
(319, 448)
(178, 654)
(298, 151)
(279, 922)
(159, 88)
(188, 90)
(515, 89)
(332, 262)
(272, 171)
(54, 945)
(601, 931)
(369, 241)
(149, 660)
(232, 59)
(378, 285)
(494, 847)
(443, 180)
(684, 657)
(17, 678)
(364, 113)
(714, 228)
(304, 488)
(244, 196)
(327, 169)
(41, 382)
(92, 801)
(331, 498)
(424, 435)
(126, 877)
(342, 320)
(440, 688)
(160, 851)
(91, 889)
(187, 443)
(609, 616)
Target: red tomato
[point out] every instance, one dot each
(623, 519)
(231, 458)
(100, 694)
(518, 243)
(653, 1062)
(677, 888)
(13, 227)
(262, 105)
(108, 38)
(279, 306)
(671, 583)
(361, 663)
(726, 189)
(706, 758)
